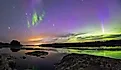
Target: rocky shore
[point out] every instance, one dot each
(88, 62)
(7, 62)
(69, 62)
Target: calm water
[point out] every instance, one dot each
(46, 62)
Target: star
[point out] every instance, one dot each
(26, 13)
(9, 28)
(53, 24)
(27, 17)
(48, 20)
(30, 14)
(14, 7)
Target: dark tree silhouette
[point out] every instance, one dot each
(85, 44)
(15, 43)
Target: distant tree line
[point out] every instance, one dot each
(86, 44)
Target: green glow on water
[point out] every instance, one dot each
(111, 54)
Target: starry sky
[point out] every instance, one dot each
(48, 21)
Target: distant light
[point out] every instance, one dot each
(9, 27)
(35, 39)
(30, 14)
(26, 13)
(13, 7)
(103, 29)
(53, 24)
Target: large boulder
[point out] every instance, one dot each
(37, 53)
(88, 62)
(15, 43)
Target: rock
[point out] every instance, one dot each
(88, 62)
(12, 64)
(7, 62)
(28, 69)
(0, 56)
(11, 57)
(1, 62)
(42, 57)
(37, 53)
(23, 57)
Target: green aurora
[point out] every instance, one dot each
(35, 19)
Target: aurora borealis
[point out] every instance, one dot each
(35, 19)
(48, 21)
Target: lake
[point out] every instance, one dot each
(50, 56)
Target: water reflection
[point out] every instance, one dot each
(44, 51)
(27, 57)
(14, 49)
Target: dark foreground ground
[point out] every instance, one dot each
(8, 62)
(88, 62)
(69, 62)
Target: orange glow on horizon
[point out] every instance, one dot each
(35, 39)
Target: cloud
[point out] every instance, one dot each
(113, 36)
(101, 37)
(80, 37)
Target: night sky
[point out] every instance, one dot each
(48, 21)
